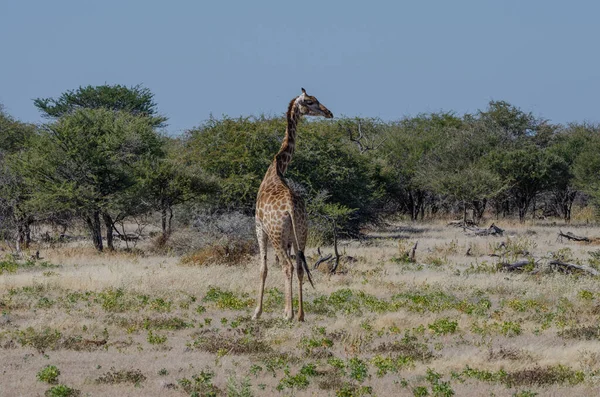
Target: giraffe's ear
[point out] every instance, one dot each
(303, 91)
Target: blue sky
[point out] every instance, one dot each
(384, 59)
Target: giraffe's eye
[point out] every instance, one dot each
(308, 102)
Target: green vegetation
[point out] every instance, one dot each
(102, 150)
(62, 391)
(49, 374)
(199, 385)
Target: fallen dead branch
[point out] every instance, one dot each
(493, 230)
(321, 258)
(516, 266)
(412, 253)
(571, 267)
(571, 236)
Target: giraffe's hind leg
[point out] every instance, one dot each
(262, 246)
(288, 272)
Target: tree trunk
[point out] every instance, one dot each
(567, 205)
(522, 211)
(169, 228)
(108, 222)
(478, 210)
(18, 241)
(93, 222)
(23, 231)
(163, 218)
(413, 207)
(28, 233)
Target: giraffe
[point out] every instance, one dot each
(280, 213)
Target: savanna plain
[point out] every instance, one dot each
(450, 321)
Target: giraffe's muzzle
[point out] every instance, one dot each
(326, 112)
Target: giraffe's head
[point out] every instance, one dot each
(310, 106)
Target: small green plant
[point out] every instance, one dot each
(585, 295)
(8, 265)
(199, 385)
(391, 364)
(358, 369)
(338, 364)
(509, 328)
(163, 372)
(443, 326)
(420, 391)
(227, 300)
(161, 305)
(299, 381)
(155, 339)
(62, 391)
(49, 374)
(439, 388)
(44, 303)
(255, 369)
(314, 345)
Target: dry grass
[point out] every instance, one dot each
(129, 323)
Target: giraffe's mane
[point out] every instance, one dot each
(291, 107)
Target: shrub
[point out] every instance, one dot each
(223, 239)
(49, 374)
(62, 391)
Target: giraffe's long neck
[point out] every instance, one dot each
(284, 156)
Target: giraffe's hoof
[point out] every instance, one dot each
(301, 318)
(256, 315)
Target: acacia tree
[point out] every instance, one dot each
(456, 168)
(15, 217)
(407, 144)
(172, 180)
(568, 144)
(528, 171)
(86, 163)
(136, 100)
(238, 153)
(587, 168)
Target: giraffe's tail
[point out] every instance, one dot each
(301, 261)
(300, 258)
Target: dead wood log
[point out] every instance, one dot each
(571, 236)
(321, 258)
(493, 230)
(412, 252)
(570, 267)
(516, 266)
